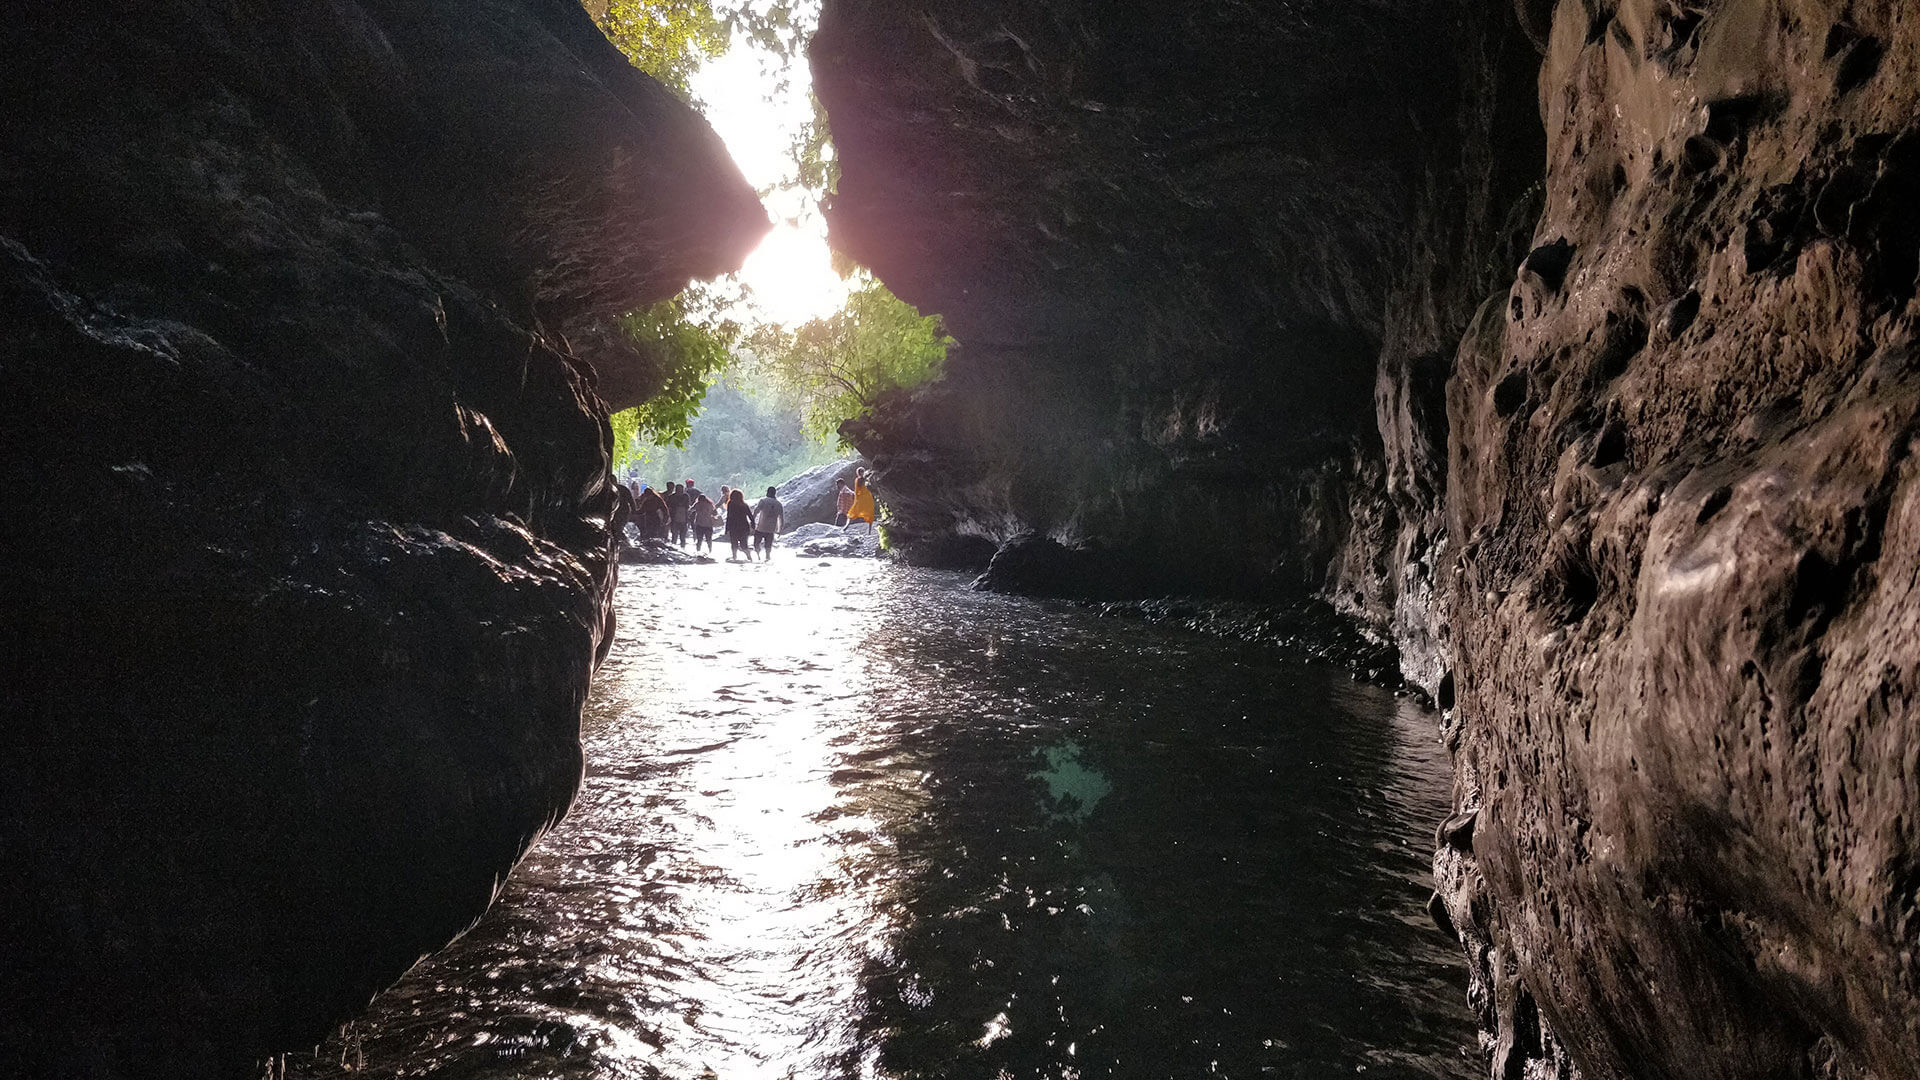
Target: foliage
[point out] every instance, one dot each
(818, 168)
(779, 28)
(838, 367)
(693, 342)
(748, 439)
(668, 39)
(821, 373)
(626, 438)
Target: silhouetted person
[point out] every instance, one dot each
(766, 522)
(842, 504)
(739, 526)
(622, 513)
(705, 516)
(862, 508)
(652, 515)
(677, 503)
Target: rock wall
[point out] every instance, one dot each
(1173, 243)
(305, 457)
(1247, 306)
(1685, 512)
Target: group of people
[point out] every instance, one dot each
(682, 510)
(854, 503)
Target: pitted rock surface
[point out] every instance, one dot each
(1682, 496)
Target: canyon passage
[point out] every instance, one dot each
(1552, 359)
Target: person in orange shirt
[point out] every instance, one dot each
(862, 508)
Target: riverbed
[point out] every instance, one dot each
(848, 819)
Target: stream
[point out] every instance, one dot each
(848, 819)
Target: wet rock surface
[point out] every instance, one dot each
(660, 553)
(1306, 628)
(306, 554)
(1682, 494)
(817, 541)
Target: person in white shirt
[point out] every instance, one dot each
(766, 522)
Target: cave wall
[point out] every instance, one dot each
(1566, 346)
(1174, 243)
(306, 470)
(1683, 505)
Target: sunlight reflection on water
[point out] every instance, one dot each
(843, 819)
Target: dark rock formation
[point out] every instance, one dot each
(1630, 495)
(1134, 216)
(306, 553)
(1684, 505)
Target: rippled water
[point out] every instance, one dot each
(844, 819)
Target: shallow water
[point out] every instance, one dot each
(844, 819)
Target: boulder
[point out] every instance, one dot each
(810, 498)
(660, 553)
(820, 540)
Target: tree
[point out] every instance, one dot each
(827, 370)
(838, 367)
(692, 341)
(668, 39)
(748, 436)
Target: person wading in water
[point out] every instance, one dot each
(705, 515)
(652, 515)
(739, 526)
(766, 522)
(677, 504)
(862, 508)
(842, 503)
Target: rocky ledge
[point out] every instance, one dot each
(302, 422)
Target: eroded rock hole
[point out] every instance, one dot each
(1859, 63)
(1625, 337)
(1714, 502)
(1611, 448)
(1680, 313)
(1510, 394)
(1701, 155)
(1680, 25)
(1730, 118)
(1886, 221)
(1819, 585)
(1549, 263)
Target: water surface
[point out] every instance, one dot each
(844, 819)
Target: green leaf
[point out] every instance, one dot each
(840, 366)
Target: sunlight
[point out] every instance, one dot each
(790, 276)
(760, 107)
